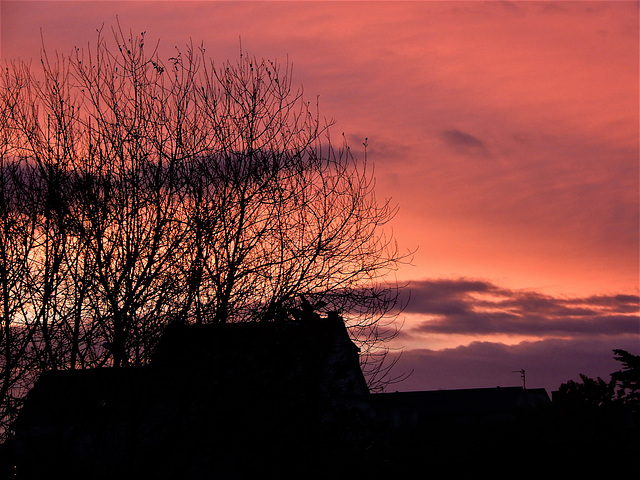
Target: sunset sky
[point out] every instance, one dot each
(506, 132)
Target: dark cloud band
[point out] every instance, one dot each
(465, 306)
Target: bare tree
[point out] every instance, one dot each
(158, 191)
(297, 219)
(17, 244)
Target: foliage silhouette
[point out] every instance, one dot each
(623, 388)
(628, 378)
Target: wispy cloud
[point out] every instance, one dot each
(477, 307)
(463, 141)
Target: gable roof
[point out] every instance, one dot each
(315, 355)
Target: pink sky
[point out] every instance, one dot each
(506, 132)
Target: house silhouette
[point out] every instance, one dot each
(282, 398)
(460, 407)
(223, 398)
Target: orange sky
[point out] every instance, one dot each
(507, 132)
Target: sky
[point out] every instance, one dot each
(506, 132)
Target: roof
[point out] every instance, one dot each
(314, 354)
(474, 401)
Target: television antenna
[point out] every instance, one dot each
(522, 376)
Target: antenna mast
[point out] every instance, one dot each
(523, 377)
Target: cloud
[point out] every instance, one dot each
(565, 336)
(547, 363)
(477, 307)
(462, 141)
(432, 99)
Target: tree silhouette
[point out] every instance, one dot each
(137, 192)
(589, 393)
(622, 389)
(628, 378)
